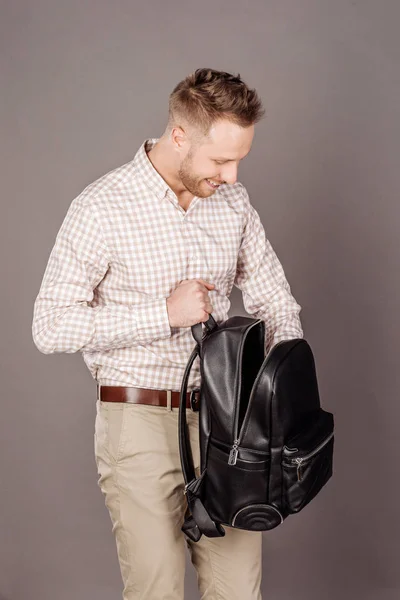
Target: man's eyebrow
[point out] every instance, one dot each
(229, 159)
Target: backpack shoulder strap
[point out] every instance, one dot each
(200, 521)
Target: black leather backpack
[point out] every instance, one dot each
(266, 445)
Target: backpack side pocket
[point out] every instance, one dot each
(307, 467)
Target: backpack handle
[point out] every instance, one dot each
(197, 330)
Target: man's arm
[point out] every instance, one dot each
(261, 278)
(62, 319)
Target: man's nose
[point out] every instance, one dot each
(230, 174)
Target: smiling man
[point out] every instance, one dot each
(196, 165)
(145, 252)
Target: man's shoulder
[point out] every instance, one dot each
(112, 183)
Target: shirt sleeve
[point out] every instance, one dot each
(63, 321)
(261, 278)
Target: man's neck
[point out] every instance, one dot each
(158, 156)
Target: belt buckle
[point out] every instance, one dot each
(194, 403)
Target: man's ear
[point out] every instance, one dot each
(179, 137)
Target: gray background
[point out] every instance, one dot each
(83, 84)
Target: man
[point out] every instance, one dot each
(144, 252)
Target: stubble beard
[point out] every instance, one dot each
(194, 185)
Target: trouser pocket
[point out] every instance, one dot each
(109, 431)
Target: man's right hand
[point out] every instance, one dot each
(189, 303)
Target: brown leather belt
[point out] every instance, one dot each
(153, 397)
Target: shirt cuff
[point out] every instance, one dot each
(152, 320)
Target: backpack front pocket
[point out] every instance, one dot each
(307, 467)
(228, 488)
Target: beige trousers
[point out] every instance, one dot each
(140, 475)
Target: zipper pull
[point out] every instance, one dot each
(233, 453)
(298, 461)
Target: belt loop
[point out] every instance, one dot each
(169, 400)
(98, 391)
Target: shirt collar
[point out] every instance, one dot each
(147, 172)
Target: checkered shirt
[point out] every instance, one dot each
(124, 246)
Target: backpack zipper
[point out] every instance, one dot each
(216, 442)
(239, 381)
(236, 443)
(234, 450)
(299, 461)
(233, 453)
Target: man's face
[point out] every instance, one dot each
(216, 160)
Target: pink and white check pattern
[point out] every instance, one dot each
(124, 246)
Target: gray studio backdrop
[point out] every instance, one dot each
(83, 84)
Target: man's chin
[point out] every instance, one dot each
(202, 190)
(206, 194)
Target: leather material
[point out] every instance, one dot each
(266, 445)
(152, 397)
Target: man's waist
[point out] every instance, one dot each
(148, 396)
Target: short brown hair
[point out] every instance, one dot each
(207, 95)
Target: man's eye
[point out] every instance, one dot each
(220, 162)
